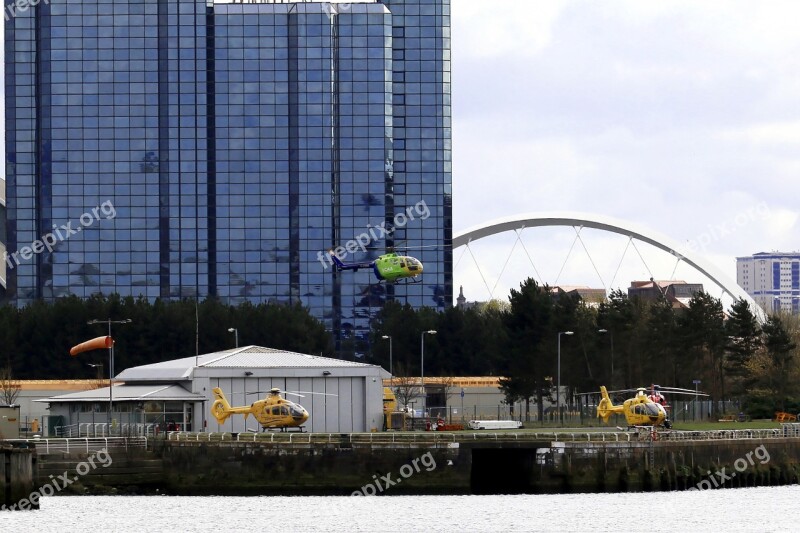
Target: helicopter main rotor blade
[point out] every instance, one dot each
(692, 393)
(319, 393)
(609, 392)
(677, 389)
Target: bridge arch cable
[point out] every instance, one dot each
(678, 262)
(566, 259)
(469, 248)
(621, 261)
(508, 259)
(535, 270)
(460, 257)
(585, 249)
(646, 266)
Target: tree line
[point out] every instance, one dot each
(622, 343)
(35, 340)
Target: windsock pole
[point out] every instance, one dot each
(110, 347)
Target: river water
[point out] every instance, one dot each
(724, 510)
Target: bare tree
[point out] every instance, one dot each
(405, 388)
(9, 388)
(448, 387)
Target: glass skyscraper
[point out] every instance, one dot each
(187, 149)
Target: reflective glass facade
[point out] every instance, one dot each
(174, 149)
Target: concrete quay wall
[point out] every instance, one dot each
(416, 464)
(17, 478)
(466, 466)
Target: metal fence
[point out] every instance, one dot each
(575, 414)
(94, 430)
(83, 445)
(414, 437)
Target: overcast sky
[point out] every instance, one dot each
(680, 116)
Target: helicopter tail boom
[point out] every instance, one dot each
(221, 409)
(339, 265)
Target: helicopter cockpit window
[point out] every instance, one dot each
(402, 264)
(649, 409)
(295, 411)
(276, 411)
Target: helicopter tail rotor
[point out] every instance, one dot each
(604, 408)
(221, 409)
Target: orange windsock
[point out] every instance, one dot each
(94, 344)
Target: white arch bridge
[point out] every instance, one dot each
(634, 232)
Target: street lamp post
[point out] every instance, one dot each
(110, 361)
(390, 357)
(694, 408)
(422, 366)
(611, 337)
(236, 335)
(558, 387)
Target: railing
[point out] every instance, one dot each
(95, 430)
(83, 445)
(435, 437)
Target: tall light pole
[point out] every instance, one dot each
(694, 408)
(110, 361)
(558, 387)
(422, 366)
(236, 335)
(390, 357)
(611, 337)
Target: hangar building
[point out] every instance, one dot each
(340, 396)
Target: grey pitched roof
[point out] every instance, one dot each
(129, 393)
(251, 357)
(256, 356)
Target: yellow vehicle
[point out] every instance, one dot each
(642, 409)
(639, 410)
(273, 412)
(393, 418)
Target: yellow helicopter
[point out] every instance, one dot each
(273, 412)
(650, 410)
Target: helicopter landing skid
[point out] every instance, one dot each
(299, 429)
(408, 281)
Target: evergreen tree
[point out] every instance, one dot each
(702, 339)
(781, 349)
(530, 357)
(743, 339)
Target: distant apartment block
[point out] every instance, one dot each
(677, 292)
(772, 279)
